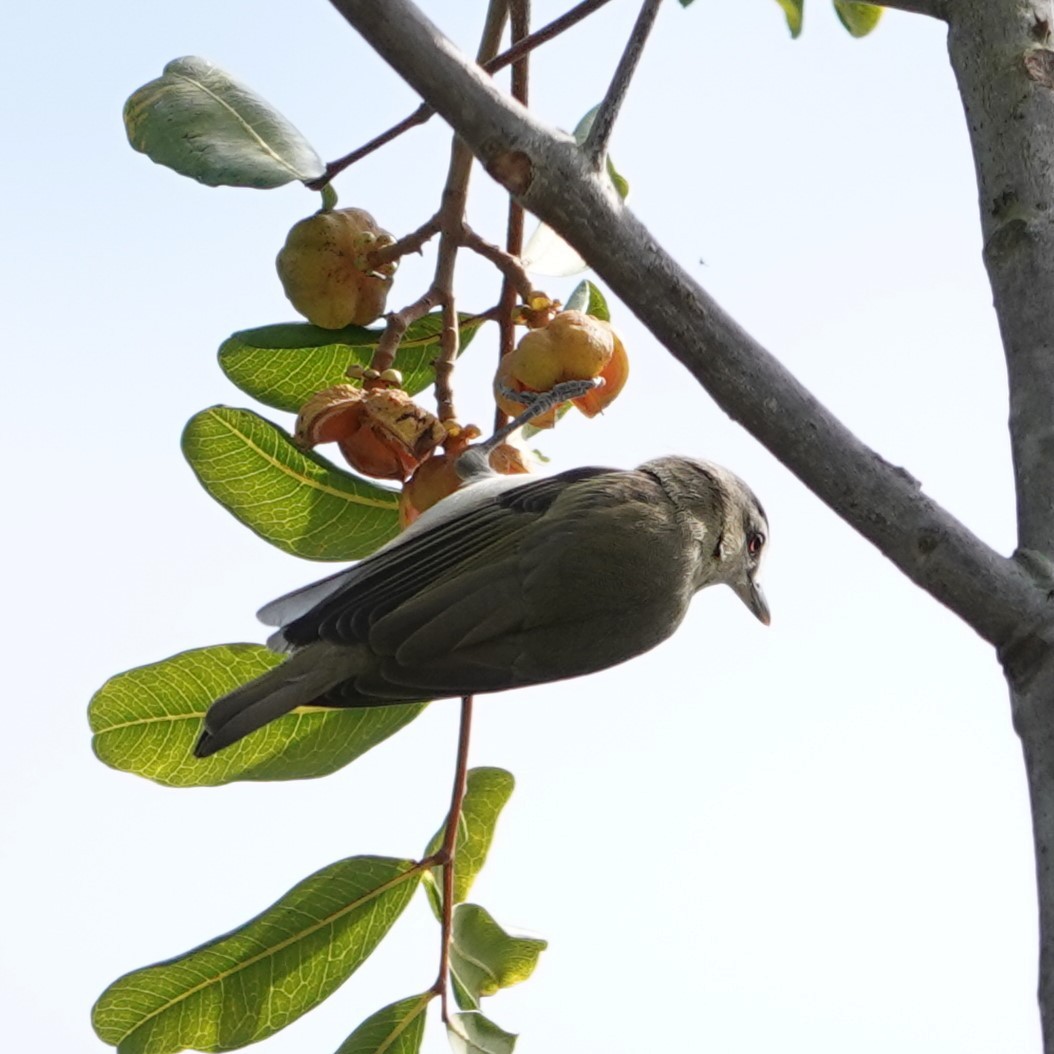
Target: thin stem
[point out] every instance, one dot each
(520, 21)
(409, 243)
(596, 144)
(510, 266)
(444, 856)
(424, 112)
(452, 228)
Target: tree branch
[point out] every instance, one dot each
(546, 170)
(596, 144)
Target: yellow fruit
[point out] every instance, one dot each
(574, 346)
(324, 270)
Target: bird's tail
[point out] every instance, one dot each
(299, 681)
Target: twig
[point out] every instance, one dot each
(596, 144)
(446, 853)
(520, 24)
(409, 243)
(510, 266)
(424, 112)
(398, 323)
(452, 228)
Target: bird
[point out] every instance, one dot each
(508, 583)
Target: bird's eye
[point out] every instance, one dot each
(755, 542)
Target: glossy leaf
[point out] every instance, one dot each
(472, 1033)
(293, 499)
(197, 119)
(146, 721)
(858, 18)
(252, 982)
(285, 364)
(486, 792)
(397, 1029)
(792, 9)
(588, 298)
(484, 958)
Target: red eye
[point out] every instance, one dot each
(754, 543)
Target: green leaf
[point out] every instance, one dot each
(484, 958)
(293, 499)
(285, 364)
(200, 121)
(486, 792)
(588, 298)
(793, 11)
(146, 721)
(397, 1029)
(858, 18)
(252, 982)
(472, 1033)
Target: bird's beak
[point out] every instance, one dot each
(750, 593)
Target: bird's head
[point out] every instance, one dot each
(727, 519)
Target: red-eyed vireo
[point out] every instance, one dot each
(509, 582)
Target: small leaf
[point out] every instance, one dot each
(792, 9)
(146, 721)
(472, 1033)
(588, 298)
(487, 791)
(252, 982)
(397, 1029)
(200, 121)
(484, 958)
(285, 364)
(858, 18)
(297, 501)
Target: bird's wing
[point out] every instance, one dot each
(477, 538)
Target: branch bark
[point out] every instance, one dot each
(547, 172)
(1005, 72)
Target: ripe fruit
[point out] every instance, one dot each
(324, 269)
(381, 432)
(436, 478)
(573, 346)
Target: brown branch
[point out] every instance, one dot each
(520, 24)
(445, 855)
(993, 594)
(509, 265)
(596, 145)
(424, 112)
(409, 243)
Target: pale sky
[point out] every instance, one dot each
(811, 838)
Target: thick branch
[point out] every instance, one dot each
(1004, 65)
(550, 176)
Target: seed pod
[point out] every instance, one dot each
(381, 433)
(325, 271)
